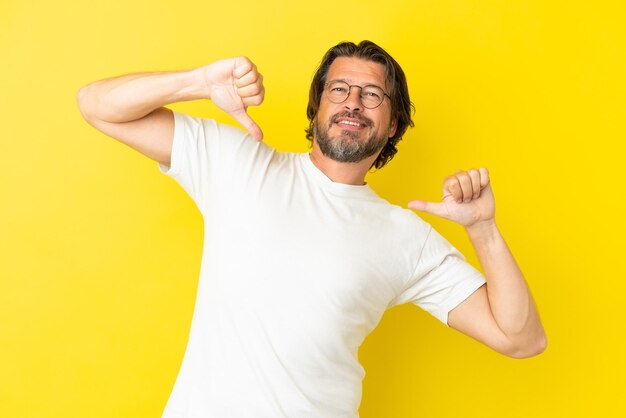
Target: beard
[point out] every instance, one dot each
(347, 146)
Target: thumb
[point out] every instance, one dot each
(434, 208)
(246, 121)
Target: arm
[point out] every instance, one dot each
(130, 108)
(500, 314)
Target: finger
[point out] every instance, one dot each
(250, 90)
(250, 78)
(466, 185)
(484, 177)
(474, 176)
(253, 101)
(242, 67)
(433, 208)
(452, 188)
(246, 121)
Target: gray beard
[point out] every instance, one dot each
(347, 148)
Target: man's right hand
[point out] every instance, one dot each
(233, 84)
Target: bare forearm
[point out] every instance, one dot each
(509, 297)
(131, 97)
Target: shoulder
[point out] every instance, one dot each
(398, 225)
(222, 139)
(404, 219)
(204, 127)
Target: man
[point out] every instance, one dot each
(301, 258)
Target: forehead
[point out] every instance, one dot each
(357, 70)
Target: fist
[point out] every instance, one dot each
(233, 84)
(467, 198)
(465, 186)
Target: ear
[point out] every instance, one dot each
(393, 127)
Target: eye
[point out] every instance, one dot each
(338, 85)
(371, 93)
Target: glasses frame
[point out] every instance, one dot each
(350, 92)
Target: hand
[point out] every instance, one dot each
(234, 84)
(467, 199)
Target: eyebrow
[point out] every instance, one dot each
(349, 83)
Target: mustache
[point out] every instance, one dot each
(352, 115)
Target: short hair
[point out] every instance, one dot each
(401, 106)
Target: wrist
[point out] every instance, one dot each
(193, 84)
(483, 230)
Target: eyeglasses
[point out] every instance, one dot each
(371, 96)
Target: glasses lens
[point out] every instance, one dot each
(337, 91)
(372, 96)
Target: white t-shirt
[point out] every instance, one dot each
(296, 271)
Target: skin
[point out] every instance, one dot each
(500, 314)
(359, 72)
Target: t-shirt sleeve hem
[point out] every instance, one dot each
(460, 296)
(177, 148)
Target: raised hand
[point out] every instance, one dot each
(467, 198)
(233, 84)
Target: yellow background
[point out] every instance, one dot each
(100, 253)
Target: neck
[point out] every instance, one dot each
(340, 172)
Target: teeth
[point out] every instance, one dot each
(346, 122)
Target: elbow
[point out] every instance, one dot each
(85, 102)
(81, 100)
(528, 348)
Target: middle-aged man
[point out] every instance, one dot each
(301, 258)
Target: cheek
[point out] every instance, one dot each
(325, 114)
(391, 124)
(321, 114)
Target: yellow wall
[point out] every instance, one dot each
(99, 253)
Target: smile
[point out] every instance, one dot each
(350, 123)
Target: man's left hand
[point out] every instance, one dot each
(467, 199)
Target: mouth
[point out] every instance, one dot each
(351, 122)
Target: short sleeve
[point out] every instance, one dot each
(442, 278)
(201, 148)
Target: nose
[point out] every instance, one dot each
(353, 101)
